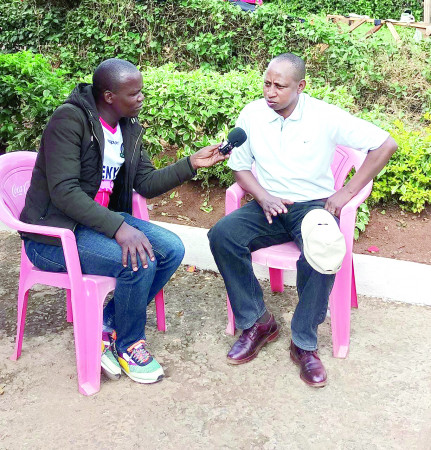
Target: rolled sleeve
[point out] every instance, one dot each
(358, 133)
(242, 157)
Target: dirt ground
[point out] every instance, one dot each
(396, 233)
(377, 398)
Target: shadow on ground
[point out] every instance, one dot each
(378, 397)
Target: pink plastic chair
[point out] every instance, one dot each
(85, 294)
(283, 257)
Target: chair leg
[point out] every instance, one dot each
(354, 294)
(22, 311)
(160, 311)
(340, 312)
(276, 280)
(230, 329)
(87, 327)
(69, 315)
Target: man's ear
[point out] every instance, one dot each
(301, 86)
(108, 97)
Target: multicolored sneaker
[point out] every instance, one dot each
(139, 365)
(110, 366)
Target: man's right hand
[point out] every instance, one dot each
(272, 206)
(134, 241)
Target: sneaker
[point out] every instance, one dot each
(110, 365)
(139, 365)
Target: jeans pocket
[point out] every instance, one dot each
(46, 264)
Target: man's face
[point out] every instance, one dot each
(281, 88)
(126, 101)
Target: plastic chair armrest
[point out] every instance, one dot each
(62, 233)
(353, 204)
(68, 242)
(348, 212)
(234, 194)
(139, 207)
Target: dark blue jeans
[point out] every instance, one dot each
(100, 255)
(245, 230)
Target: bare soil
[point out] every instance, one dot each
(377, 398)
(396, 234)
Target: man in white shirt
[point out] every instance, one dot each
(291, 140)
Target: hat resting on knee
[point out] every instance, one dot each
(324, 244)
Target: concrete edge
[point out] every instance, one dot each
(386, 278)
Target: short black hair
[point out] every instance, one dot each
(109, 74)
(297, 63)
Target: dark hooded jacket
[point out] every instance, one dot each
(68, 171)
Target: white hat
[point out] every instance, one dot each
(324, 244)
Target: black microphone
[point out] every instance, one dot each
(235, 138)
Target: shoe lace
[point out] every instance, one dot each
(138, 352)
(106, 343)
(303, 353)
(252, 333)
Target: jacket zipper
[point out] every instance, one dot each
(136, 143)
(95, 137)
(133, 154)
(92, 127)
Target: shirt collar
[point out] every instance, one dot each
(296, 113)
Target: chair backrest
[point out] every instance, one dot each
(345, 159)
(15, 174)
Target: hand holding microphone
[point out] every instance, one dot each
(212, 154)
(235, 138)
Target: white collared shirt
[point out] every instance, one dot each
(293, 156)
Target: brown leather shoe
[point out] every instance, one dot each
(312, 371)
(252, 340)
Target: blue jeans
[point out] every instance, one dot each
(245, 230)
(100, 255)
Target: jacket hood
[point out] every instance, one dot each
(82, 97)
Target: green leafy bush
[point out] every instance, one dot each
(217, 35)
(30, 90)
(407, 177)
(194, 109)
(24, 25)
(191, 109)
(382, 9)
(193, 33)
(362, 219)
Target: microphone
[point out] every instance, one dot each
(235, 138)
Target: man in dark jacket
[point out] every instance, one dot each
(91, 156)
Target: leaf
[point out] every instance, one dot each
(172, 194)
(205, 207)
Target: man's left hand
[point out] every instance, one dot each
(336, 201)
(207, 157)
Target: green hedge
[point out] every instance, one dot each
(381, 9)
(30, 90)
(192, 109)
(213, 34)
(407, 177)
